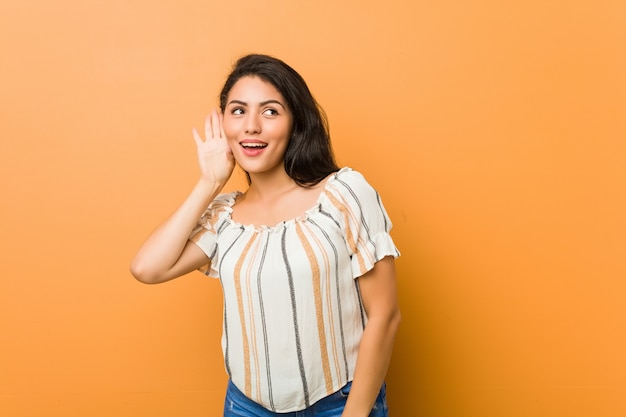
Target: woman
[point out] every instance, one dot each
(304, 255)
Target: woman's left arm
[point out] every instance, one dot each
(380, 299)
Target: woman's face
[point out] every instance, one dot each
(258, 125)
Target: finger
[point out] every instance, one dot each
(208, 132)
(215, 124)
(221, 116)
(229, 151)
(196, 136)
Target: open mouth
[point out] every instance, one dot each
(253, 145)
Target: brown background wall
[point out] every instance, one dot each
(495, 132)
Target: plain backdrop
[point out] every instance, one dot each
(494, 131)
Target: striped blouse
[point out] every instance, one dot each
(293, 316)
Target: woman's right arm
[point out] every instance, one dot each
(167, 253)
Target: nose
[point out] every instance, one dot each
(252, 124)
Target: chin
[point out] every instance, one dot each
(252, 169)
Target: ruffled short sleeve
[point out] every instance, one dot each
(205, 234)
(363, 218)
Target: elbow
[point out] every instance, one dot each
(392, 320)
(388, 322)
(395, 319)
(143, 274)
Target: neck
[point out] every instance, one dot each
(268, 186)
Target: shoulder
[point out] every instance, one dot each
(350, 182)
(349, 193)
(219, 208)
(224, 201)
(358, 210)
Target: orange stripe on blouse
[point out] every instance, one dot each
(329, 302)
(244, 333)
(344, 210)
(319, 313)
(255, 350)
(349, 218)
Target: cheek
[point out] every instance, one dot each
(230, 129)
(282, 131)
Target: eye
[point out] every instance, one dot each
(270, 112)
(237, 111)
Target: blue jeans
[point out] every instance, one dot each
(237, 404)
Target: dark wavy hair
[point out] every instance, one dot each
(309, 157)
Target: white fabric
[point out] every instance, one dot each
(293, 317)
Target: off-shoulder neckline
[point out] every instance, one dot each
(232, 197)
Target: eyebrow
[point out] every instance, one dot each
(262, 103)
